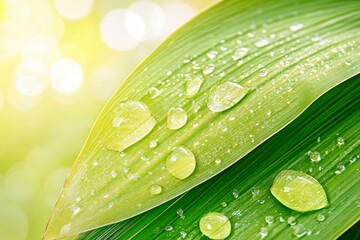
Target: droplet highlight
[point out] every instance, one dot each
(208, 69)
(215, 225)
(296, 27)
(314, 156)
(299, 191)
(225, 95)
(177, 118)
(155, 189)
(193, 86)
(181, 162)
(132, 122)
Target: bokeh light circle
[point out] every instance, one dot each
(14, 223)
(176, 14)
(66, 76)
(153, 17)
(74, 9)
(122, 30)
(30, 78)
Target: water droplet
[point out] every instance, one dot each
(180, 212)
(152, 144)
(155, 189)
(209, 69)
(78, 199)
(263, 72)
(154, 92)
(240, 53)
(250, 35)
(225, 95)
(255, 191)
(263, 232)
(281, 219)
(113, 174)
(296, 27)
(65, 229)
(235, 193)
(181, 162)
(169, 73)
(320, 217)
(340, 169)
(340, 141)
(136, 122)
(215, 225)
(193, 86)
(299, 230)
(262, 42)
(224, 204)
(177, 118)
(291, 220)
(318, 139)
(168, 228)
(236, 213)
(183, 234)
(269, 219)
(95, 163)
(212, 54)
(314, 156)
(299, 191)
(217, 161)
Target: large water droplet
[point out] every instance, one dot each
(177, 118)
(181, 162)
(193, 86)
(215, 225)
(225, 95)
(299, 230)
(240, 53)
(132, 122)
(299, 191)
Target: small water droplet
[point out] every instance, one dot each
(95, 163)
(181, 162)
(250, 35)
(296, 27)
(169, 73)
(262, 43)
(291, 220)
(299, 191)
(113, 174)
(263, 72)
(155, 189)
(136, 122)
(235, 193)
(299, 230)
(269, 219)
(217, 161)
(340, 169)
(180, 212)
(314, 156)
(281, 219)
(240, 53)
(177, 118)
(154, 92)
(168, 228)
(340, 141)
(152, 144)
(193, 86)
(224, 204)
(255, 191)
(212, 54)
(320, 217)
(225, 95)
(263, 232)
(78, 199)
(318, 139)
(215, 225)
(209, 69)
(236, 213)
(183, 234)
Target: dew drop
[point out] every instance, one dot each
(181, 162)
(209, 69)
(183, 234)
(180, 212)
(299, 191)
(217, 161)
(314, 156)
(320, 217)
(240, 53)
(235, 193)
(291, 220)
(255, 191)
(215, 225)
(212, 54)
(263, 232)
(269, 219)
(152, 144)
(340, 169)
(155, 189)
(296, 27)
(340, 141)
(168, 228)
(154, 92)
(263, 72)
(193, 86)
(177, 118)
(225, 95)
(299, 230)
(262, 43)
(136, 122)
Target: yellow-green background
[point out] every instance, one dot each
(42, 131)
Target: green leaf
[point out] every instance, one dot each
(274, 58)
(242, 192)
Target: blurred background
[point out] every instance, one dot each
(60, 61)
